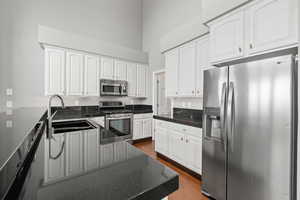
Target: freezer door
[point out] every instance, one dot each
(214, 142)
(259, 116)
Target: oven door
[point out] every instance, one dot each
(120, 127)
(108, 89)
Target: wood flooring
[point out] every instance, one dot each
(189, 186)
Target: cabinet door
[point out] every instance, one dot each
(74, 153)
(187, 70)
(227, 37)
(147, 128)
(120, 70)
(106, 154)
(161, 141)
(107, 68)
(92, 74)
(91, 149)
(194, 153)
(132, 79)
(120, 151)
(74, 73)
(177, 146)
(172, 63)
(272, 25)
(202, 63)
(54, 71)
(141, 81)
(54, 169)
(137, 129)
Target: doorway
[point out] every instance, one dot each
(161, 104)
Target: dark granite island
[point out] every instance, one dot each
(89, 168)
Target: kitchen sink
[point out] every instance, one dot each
(71, 126)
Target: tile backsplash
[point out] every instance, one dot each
(190, 103)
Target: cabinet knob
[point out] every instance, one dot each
(251, 46)
(240, 49)
(181, 139)
(193, 91)
(186, 140)
(184, 129)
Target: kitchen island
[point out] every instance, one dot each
(79, 165)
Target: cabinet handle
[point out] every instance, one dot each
(198, 92)
(251, 46)
(187, 141)
(240, 49)
(181, 139)
(184, 129)
(193, 91)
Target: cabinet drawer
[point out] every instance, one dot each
(142, 116)
(162, 124)
(197, 132)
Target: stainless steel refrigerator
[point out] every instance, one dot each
(249, 122)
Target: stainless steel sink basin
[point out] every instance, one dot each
(71, 126)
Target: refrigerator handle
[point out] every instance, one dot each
(222, 115)
(231, 116)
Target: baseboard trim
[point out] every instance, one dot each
(189, 171)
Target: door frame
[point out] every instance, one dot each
(154, 78)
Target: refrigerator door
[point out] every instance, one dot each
(214, 142)
(260, 130)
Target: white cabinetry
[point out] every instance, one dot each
(142, 126)
(107, 68)
(91, 149)
(142, 77)
(120, 70)
(131, 79)
(54, 168)
(181, 143)
(74, 153)
(54, 71)
(187, 67)
(272, 24)
(227, 37)
(259, 27)
(91, 75)
(172, 64)
(74, 73)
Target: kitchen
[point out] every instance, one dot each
(151, 99)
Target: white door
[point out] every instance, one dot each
(92, 76)
(141, 81)
(161, 141)
(106, 154)
(161, 103)
(54, 71)
(91, 149)
(177, 146)
(54, 169)
(120, 70)
(187, 70)
(74, 153)
(172, 62)
(137, 129)
(132, 79)
(147, 128)
(272, 24)
(194, 153)
(201, 63)
(107, 68)
(74, 71)
(227, 37)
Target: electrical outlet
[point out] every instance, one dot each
(9, 104)
(9, 91)
(76, 103)
(9, 123)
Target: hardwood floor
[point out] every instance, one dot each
(189, 186)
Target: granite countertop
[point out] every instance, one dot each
(170, 118)
(109, 171)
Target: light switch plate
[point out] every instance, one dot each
(9, 91)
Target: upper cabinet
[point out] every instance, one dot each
(131, 79)
(54, 71)
(142, 77)
(107, 68)
(120, 70)
(187, 69)
(92, 75)
(271, 24)
(74, 73)
(172, 63)
(226, 40)
(259, 27)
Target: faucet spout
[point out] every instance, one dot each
(50, 114)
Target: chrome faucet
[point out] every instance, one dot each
(49, 113)
(50, 131)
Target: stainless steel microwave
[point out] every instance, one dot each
(113, 88)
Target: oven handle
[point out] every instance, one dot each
(112, 118)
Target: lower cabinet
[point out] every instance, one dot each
(142, 126)
(180, 143)
(74, 153)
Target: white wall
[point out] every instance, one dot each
(161, 17)
(21, 57)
